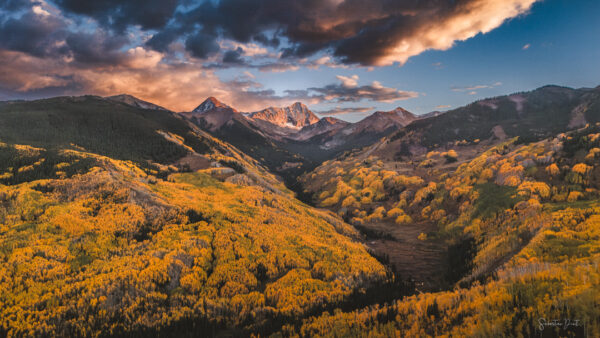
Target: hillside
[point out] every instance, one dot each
(385, 189)
(531, 115)
(112, 250)
(528, 214)
(157, 140)
(118, 220)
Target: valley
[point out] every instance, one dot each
(279, 222)
(299, 169)
(423, 263)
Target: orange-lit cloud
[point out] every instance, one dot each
(468, 19)
(177, 87)
(169, 51)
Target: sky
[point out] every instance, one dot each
(343, 58)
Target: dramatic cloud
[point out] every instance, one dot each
(443, 106)
(401, 29)
(169, 51)
(120, 14)
(344, 111)
(526, 46)
(376, 32)
(34, 33)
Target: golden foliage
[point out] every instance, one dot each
(112, 252)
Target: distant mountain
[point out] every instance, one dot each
(258, 138)
(295, 116)
(530, 115)
(292, 139)
(367, 130)
(211, 103)
(381, 121)
(212, 114)
(135, 102)
(326, 124)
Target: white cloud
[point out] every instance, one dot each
(348, 82)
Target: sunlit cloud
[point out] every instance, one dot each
(348, 82)
(171, 52)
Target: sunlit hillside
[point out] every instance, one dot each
(107, 249)
(529, 211)
(122, 220)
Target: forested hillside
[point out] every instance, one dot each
(121, 220)
(531, 214)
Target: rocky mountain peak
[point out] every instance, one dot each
(295, 116)
(210, 104)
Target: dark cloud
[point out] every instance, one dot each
(118, 14)
(12, 5)
(49, 44)
(160, 41)
(98, 48)
(31, 33)
(266, 41)
(375, 32)
(202, 45)
(234, 56)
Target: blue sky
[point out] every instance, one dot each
(563, 48)
(334, 55)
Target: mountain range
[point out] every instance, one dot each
(290, 140)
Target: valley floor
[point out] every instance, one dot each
(420, 261)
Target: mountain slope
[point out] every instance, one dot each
(521, 222)
(128, 222)
(115, 250)
(395, 181)
(364, 132)
(151, 138)
(532, 115)
(135, 102)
